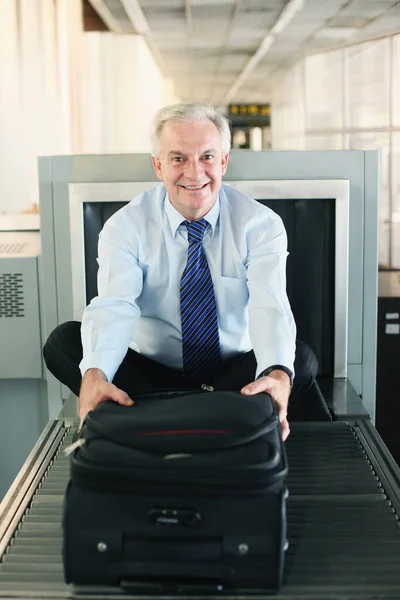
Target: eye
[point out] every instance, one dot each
(208, 156)
(177, 159)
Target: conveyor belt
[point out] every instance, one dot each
(343, 519)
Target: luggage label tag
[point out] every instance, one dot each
(170, 517)
(74, 446)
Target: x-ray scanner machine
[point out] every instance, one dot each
(344, 502)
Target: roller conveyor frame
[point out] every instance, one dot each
(18, 497)
(47, 454)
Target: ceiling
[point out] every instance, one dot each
(224, 51)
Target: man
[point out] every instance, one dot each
(191, 285)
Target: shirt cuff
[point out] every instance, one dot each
(105, 361)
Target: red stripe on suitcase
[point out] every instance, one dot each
(187, 432)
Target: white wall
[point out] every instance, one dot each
(287, 119)
(120, 95)
(349, 98)
(39, 41)
(64, 91)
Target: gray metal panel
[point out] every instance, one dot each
(343, 399)
(48, 276)
(62, 173)
(354, 374)
(23, 410)
(370, 282)
(20, 356)
(109, 167)
(47, 260)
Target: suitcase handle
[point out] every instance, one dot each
(131, 574)
(182, 588)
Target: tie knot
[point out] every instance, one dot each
(196, 230)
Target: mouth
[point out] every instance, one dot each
(194, 188)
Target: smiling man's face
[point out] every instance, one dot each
(191, 164)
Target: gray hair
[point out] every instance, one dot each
(187, 112)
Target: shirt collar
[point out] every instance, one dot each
(175, 218)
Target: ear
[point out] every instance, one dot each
(224, 162)
(157, 167)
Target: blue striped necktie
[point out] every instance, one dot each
(200, 336)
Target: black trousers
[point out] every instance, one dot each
(63, 352)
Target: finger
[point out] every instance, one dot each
(256, 387)
(285, 429)
(121, 397)
(82, 417)
(84, 409)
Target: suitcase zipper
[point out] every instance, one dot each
(224, 480)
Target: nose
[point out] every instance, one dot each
(194, 169)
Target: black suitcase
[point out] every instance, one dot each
(182, 493)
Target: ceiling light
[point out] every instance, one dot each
(286, 16)
(283, 21)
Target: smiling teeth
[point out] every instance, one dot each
(193, 187)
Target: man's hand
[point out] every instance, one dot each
(277, 385)
(96, 389)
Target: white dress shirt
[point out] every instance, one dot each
(142, 254)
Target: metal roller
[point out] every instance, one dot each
(343, 518)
